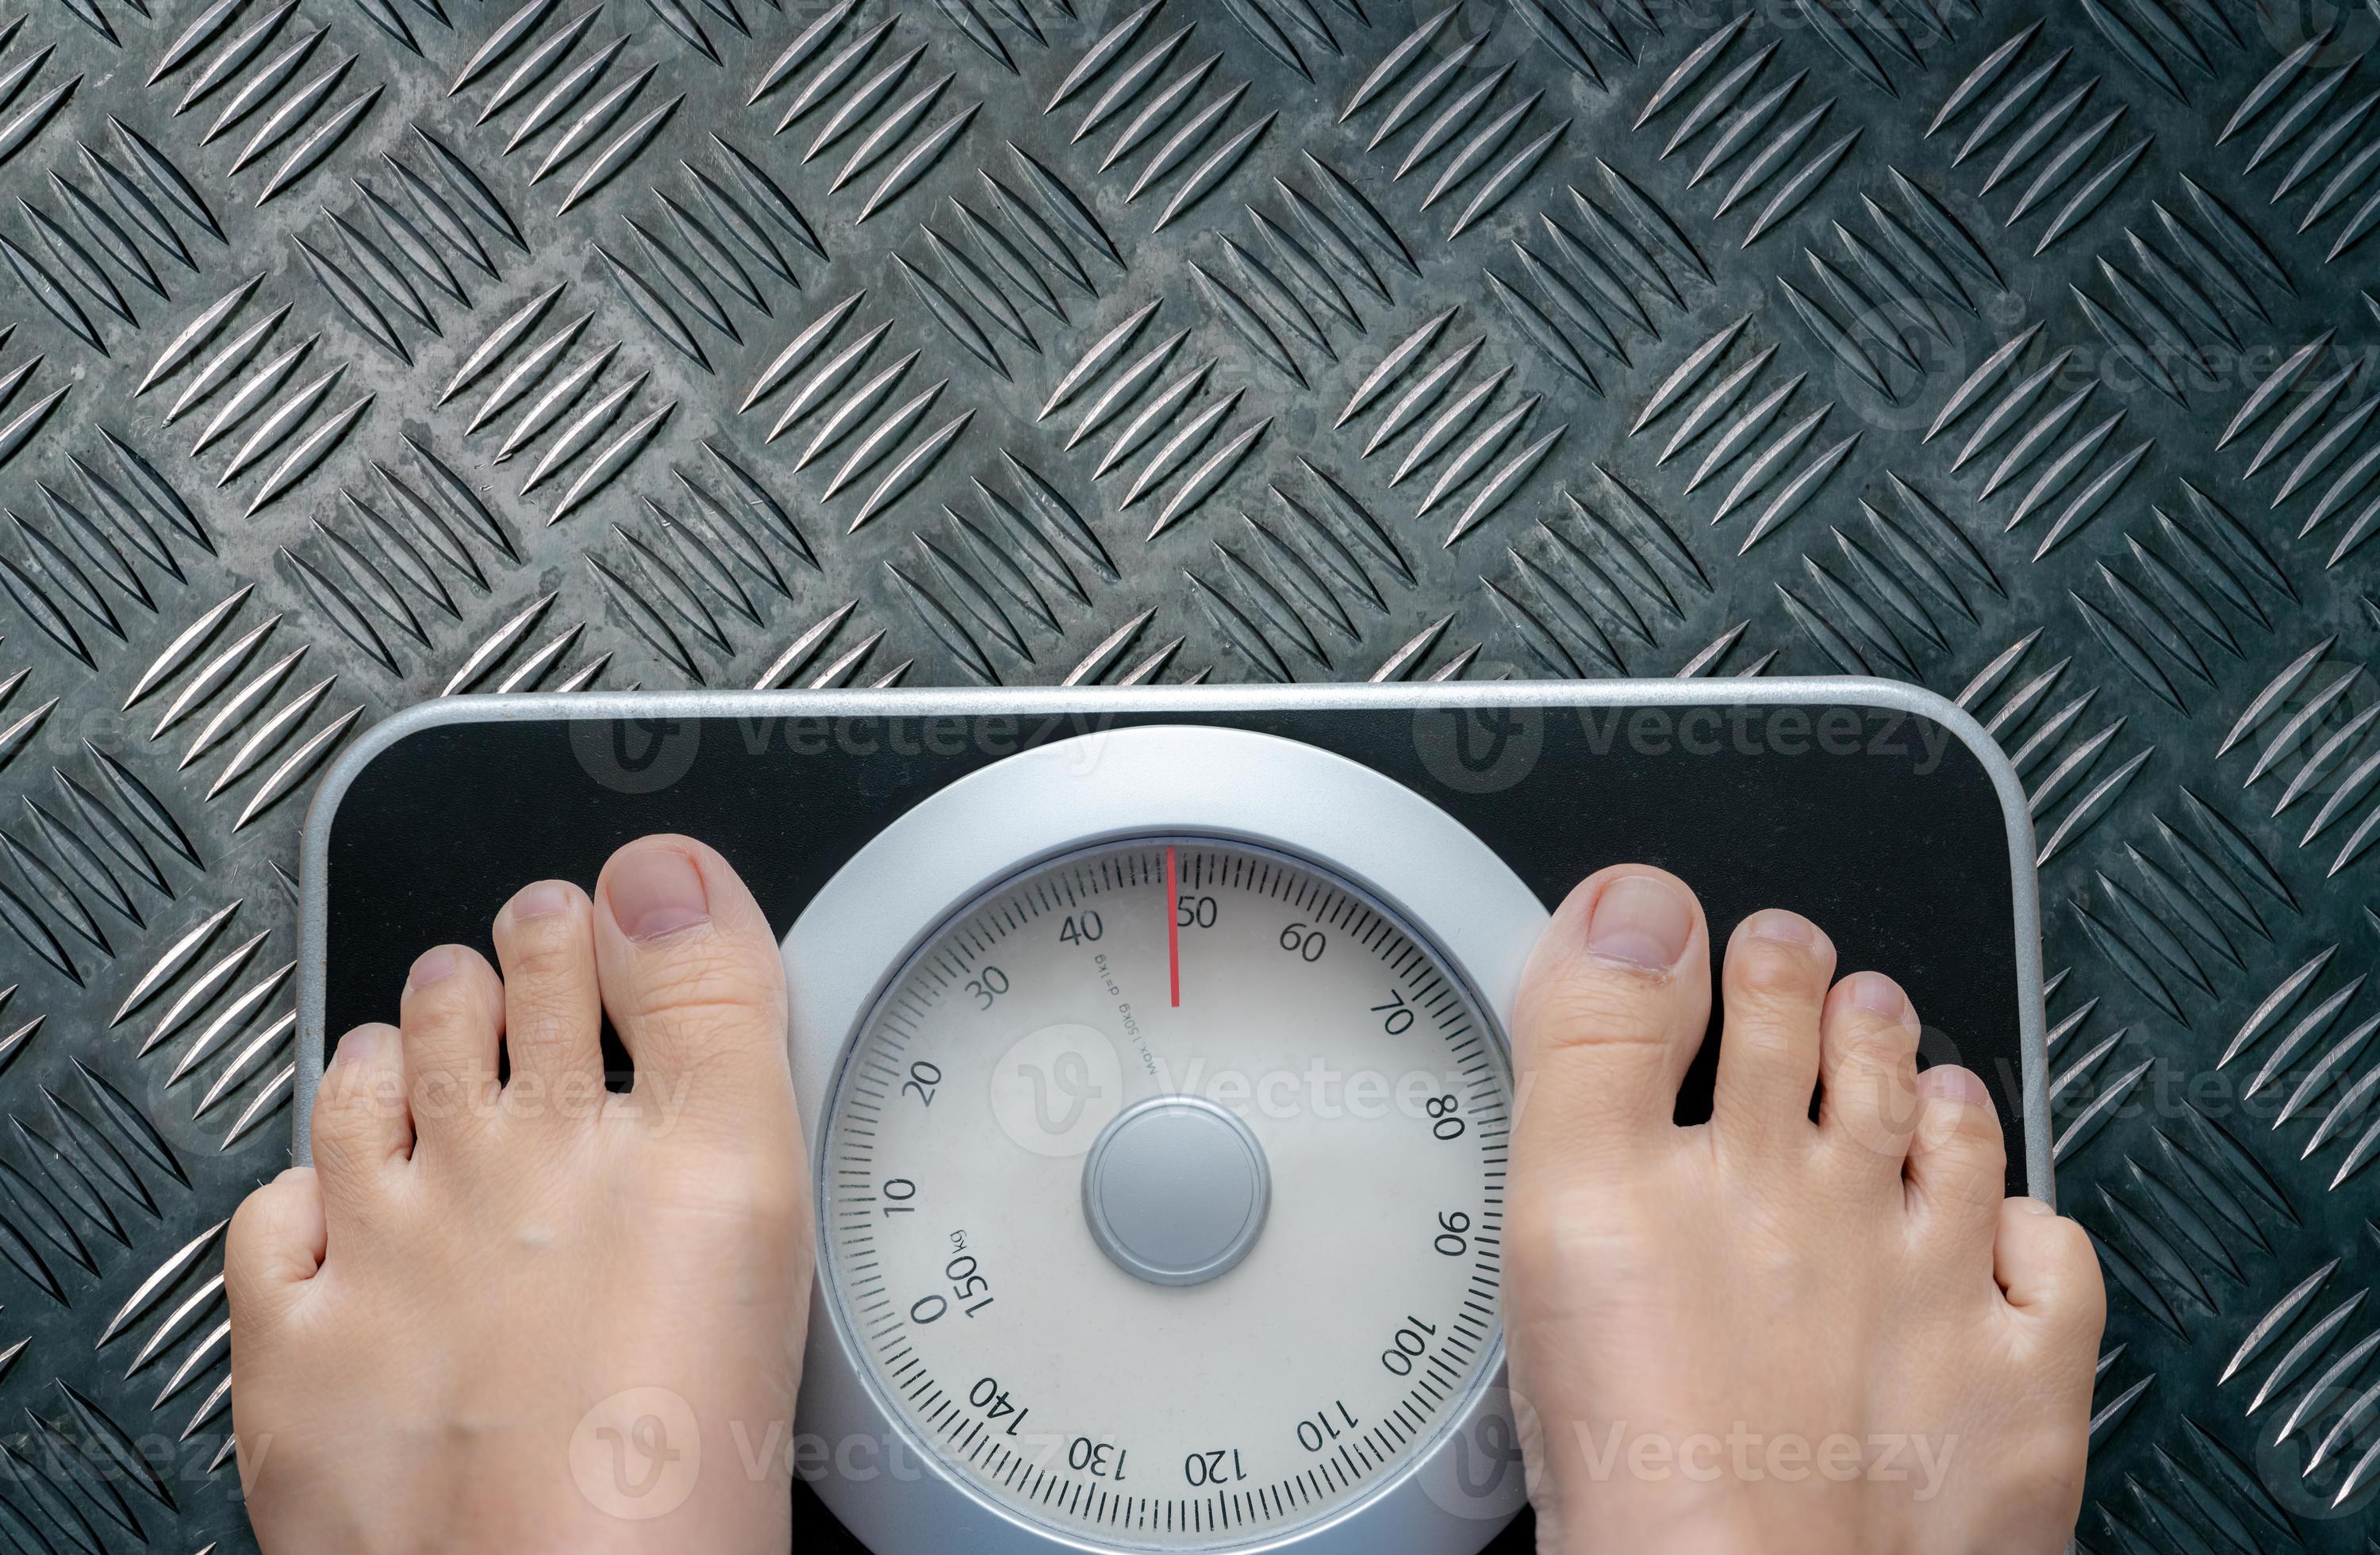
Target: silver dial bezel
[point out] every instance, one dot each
(1434, 872)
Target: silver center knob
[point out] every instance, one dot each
(1176, 1190)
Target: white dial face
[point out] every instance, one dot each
(1198, 1323)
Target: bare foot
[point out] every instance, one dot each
(541, 1318)
(1765, 1334)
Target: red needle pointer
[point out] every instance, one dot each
(1172, 925)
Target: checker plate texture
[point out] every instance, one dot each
(353, 352)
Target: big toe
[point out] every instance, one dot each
(692, 979)
(1611, 1011)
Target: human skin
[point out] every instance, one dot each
(1770, 1333)
(536, 1316)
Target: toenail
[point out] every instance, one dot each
(542, 900)
(655, 891)
(1953, 1084)
(1880, 995)
(1785, 928)
(356, 1046)
(1642, 920)
(2032, 1207)
(435, 965)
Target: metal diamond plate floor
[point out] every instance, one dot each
(353, 352)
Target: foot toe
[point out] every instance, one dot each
(1610, 1011)
(276, 1242)
(1957, 1172)
(1868, 1071)
(554, 1009)
(363, 1121)
(2047, 1266)
(453, 1012)
(1773, 985)
(690, 972)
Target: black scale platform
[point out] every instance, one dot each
(1878, 823)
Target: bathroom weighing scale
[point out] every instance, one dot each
(1151, 1043)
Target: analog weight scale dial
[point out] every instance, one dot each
(1160, 1102)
